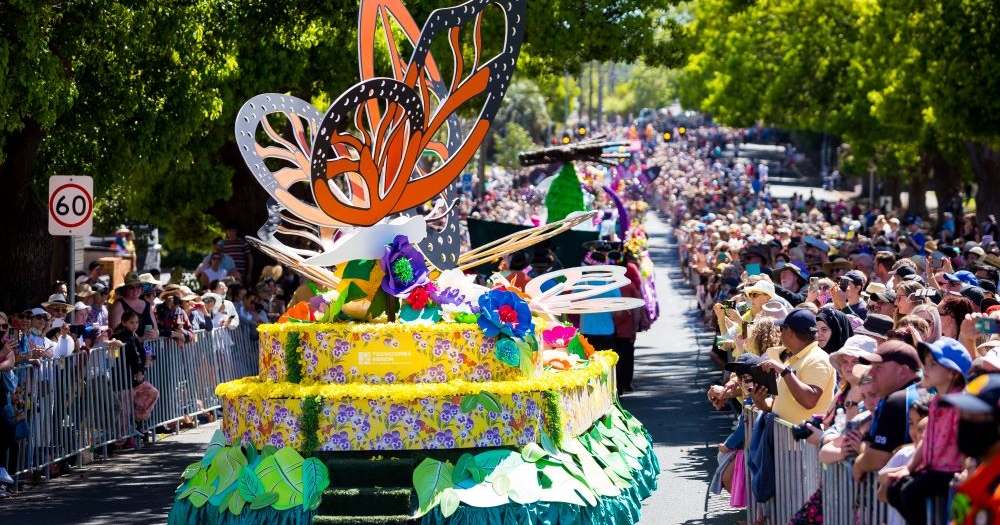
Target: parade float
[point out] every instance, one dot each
(403, 391)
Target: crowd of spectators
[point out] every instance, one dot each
(883, 326)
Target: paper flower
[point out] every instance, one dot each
(508, 352)
(465, 285)
(504, 312)
(558, 336)
(404, 267)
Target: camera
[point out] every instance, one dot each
(729, 304)
(800, 432)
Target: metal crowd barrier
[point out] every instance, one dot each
(798, 473)
(80, 403)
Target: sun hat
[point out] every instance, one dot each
(775, 310)
(876, 325)
(873, 288)
(80, 306)
(58, 300)
(761, 287)
(948, 352)
(40, 311)
(854, 346)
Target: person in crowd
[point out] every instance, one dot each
(895, 366)
(953, 310)
(847, 296)
(517, 263)
(129, 297)
(937, 458)
(144, 395)
(833, 328)
(238, 249)
(8, 413)
(901, 457)
(806, 378)
(251, 311)
(212, 270)
(976, 499)
(225, 310)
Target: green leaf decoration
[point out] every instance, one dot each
(490, 402)
(200, 494)
(548, 445)
(526, 361)
(565, 488)
(449, 502)
(228, 463)
(191, 470)
(430, 314)
(249, 486)
(223, 504)
(315, 479)
(430, 478)
(268, 450)
(462, 472)
(221, 496)
(501, 483)
(236, 503)
(252, 455)
(593, 474)
(359, 269)
(379, 302)
(544, 480)
(532, 452)
(469, 403)
(264, 500)
(282, 475)
(576, 348)
(217, 443)
(199, 478)
(486, 463)
(565, 194)
(350, 292)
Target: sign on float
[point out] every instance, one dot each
(71, 205)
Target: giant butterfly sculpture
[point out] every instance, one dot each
(333, 174)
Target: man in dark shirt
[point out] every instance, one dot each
(894, 370)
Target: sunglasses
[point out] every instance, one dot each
(39, 317)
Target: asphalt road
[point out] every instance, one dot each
(673, 372)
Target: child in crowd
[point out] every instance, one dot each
(902, 456)
(936, 458)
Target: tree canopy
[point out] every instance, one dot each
(909, 85)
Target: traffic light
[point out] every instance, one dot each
(666, 136)
(681, 130)
(582, 131)
(566, 138)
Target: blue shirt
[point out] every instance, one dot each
(601, 323)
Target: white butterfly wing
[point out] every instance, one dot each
(577, 290)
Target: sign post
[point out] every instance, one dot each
(71, 213)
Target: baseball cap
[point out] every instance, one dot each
(39, 311)
(963, 276)
(948, 352)
(893, 352)
(744, 363)
(800, 320)
(981, 396)
(903, 271)
(855, 277)
(974, 294)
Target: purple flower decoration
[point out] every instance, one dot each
(404, 267)
(447, 296)
(504, 312)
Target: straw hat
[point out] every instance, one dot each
(58, 300)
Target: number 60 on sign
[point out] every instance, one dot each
(71, 205)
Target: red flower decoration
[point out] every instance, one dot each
(507, 314)
(418, 298)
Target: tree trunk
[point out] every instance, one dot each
(985, 162)
(947, 181)
(917, 204)
(26, 253)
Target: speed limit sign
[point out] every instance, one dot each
(71, 205)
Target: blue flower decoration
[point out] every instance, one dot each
(504, 312)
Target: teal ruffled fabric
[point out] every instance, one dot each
(184, 513)
(624, 509)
